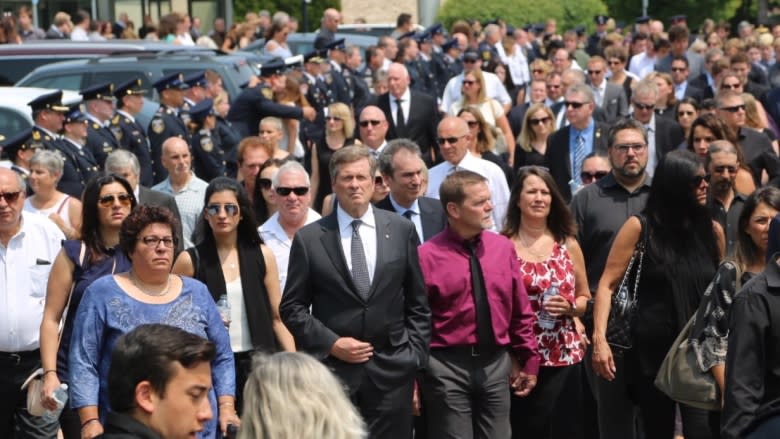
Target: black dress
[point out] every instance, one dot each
(527, 158)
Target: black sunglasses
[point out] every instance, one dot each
(108, 200)
(10, 197)
(364, 123)
(539, 121)
(299, 191)
(594, 72)
(214, 209)
(590, 177)
(697, 180)
(679, 69)
(264, 183)
(336, 118)
(472, 123)
(685, 113)
(469, 82)
(724, 168)
(573, 104)
(639, 106)
(450, 140)
(734, 108)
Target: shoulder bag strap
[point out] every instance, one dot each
(63, 203)
(82, 253)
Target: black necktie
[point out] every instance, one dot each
(400, 121)
(408, 214)
(485, 336)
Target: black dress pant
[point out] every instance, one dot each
(387, 413)
(15, 421)
(553, 409)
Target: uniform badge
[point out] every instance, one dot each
(267, 93)
(115, 120)
(486, 55)
(206, 144)
(158, 126)
(95, 126)
(116, 131)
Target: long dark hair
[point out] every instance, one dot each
(747, 251)
(247, 225)
(560, 221)
(681, 239)
(258, 202)
(90, 224)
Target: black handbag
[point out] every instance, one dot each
(622, 313)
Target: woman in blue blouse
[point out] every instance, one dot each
(108, 200)
(148, 293)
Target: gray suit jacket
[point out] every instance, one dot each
(615, 103)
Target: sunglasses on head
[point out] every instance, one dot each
(540, 121)
(265, 183)
(364, 123)
(299, 191)
(10, 197)
(590, 177)
(734, 108)
(215, 209)
(109, 200)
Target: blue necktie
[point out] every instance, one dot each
(579, 157)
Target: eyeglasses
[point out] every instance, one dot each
(214, 209)
(724, 168)
(697, 180)
(450, 140)
(364, 123)
(614, 62)
(624, 147)
(730, 86)
(679, 69)
(10, 197)
(379, 180)
(109, 200)
(553, 86)
(265, 183)
(594, 72)
(685, 113)
(638, 106)
(734, 108)
(590, 177)
(299, 191)
(154, 241)
(333, 118)
(573, 104)
(472, 123)
(541, 121)
(469, 82)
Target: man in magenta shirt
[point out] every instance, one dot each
(482, 343)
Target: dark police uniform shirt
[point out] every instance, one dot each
(85, 164)
(73, 179)
(132, 137)
(165, 123)
(100, 140)
(335, 81)
(208, 158)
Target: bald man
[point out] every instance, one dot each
(373, 129)
(330, 23)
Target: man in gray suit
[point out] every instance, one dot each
(609, 97)
(355, 297)
(678, 38)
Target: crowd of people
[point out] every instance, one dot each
(440, 229)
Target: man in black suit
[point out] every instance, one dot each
(401, 166)
(415, 118)
(683, 88)
(663, 133)
(705, 81)
(355, 298)
(568, 146)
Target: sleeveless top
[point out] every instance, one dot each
(61, 208)
(561, 345)
(240, 341)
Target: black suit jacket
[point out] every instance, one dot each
(669, 135)
(701, 83)
(432, 215)
(395, 318)
(692, 91)
(148, 196)
(421, 122)
(557, 155)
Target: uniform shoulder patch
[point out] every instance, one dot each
(36, 135)
(95, 126)
(158, 125)
(267, 93)
(115, 120)
(206, 144)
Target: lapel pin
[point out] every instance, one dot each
(387, 236)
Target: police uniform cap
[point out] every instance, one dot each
(510, 30)
(197, 79)
(449, 44)
(315, 56)
(600, 19)
(423, 37)
(19, 141)
(471, 54)
(580, 30)
(199, 111)
(539, 28)
(74, 114)
(407, 35)
(49, 101)
(336, 45)
(103, 92)
(272, 68)
(528, 27)
(642, 20)
(131, 87)
(436, 29)
(174, 80)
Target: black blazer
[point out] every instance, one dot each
(669, 135)
(692, 91)
(557, 155)
(395, 318)
(432, 215)
(421, 123)
(701, 83)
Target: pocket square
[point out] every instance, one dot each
(42, 262)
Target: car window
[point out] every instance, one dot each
(12, 122)
(119, 77)
(62, 82)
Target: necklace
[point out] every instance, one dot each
(528, 247)
(142, 287)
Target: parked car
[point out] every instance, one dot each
(300, 43)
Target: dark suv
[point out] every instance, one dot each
(235, 70)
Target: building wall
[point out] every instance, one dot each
(378, 11)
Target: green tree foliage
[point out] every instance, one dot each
(292, 7)
(568, 13)
(695, 10)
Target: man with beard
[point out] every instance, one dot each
(724, 202)
(600, 210)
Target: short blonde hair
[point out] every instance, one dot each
(290, 395)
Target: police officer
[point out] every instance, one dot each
(336, 78)
(362, 94)
(99, 104)
(75, 126)
(487, 48)
(255, 103)
(17, 148)
(196, 91)
(166, 121)
(453, 64)
(594, 40)
(425, 62)
(130, 134)
(208, 157)
(438, 36)
(318, 95)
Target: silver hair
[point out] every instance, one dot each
(290, 166)
(392, 148)
(121, 159)
(582, 89)
(51, 160)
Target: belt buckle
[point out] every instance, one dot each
(475, 351)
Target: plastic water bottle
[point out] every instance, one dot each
(546, 321)
(61, 396)
(224, 309)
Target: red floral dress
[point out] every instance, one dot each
(561, 345)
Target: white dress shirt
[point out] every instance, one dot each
(79, 34)
(24, 272)
(276, 239)
(367, 232)
(415, 219)
(641, 65)
(406, 100)
(651, 155)
(499, 190)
